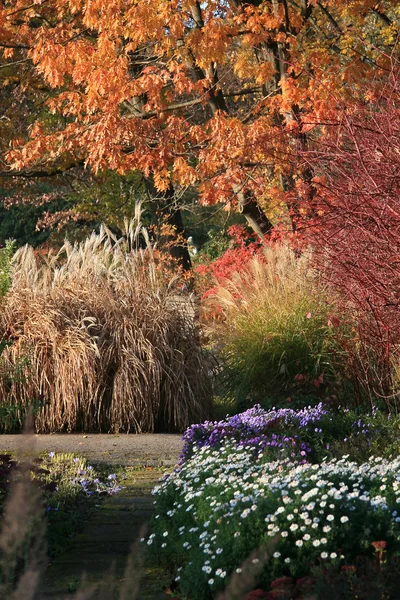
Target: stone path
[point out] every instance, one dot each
(158, 449)
(109, 537)
(117, 524)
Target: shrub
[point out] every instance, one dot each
(353, 224)
(272, 431)
(6, 254)
(279, 329)
(110, 344)
(221, 505)
(241, 249)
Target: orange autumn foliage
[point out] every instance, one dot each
(214, 94)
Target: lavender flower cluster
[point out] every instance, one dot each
(83, 478)
(276, 429)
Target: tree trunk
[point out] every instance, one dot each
(176, 240)
(252, 212)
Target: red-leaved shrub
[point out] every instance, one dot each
(355, 228)
(242, 248)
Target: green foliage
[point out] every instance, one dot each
(19, 220)
(13, 416)
(374, 578)
(6, 254)
(279, 333)
(107, 198)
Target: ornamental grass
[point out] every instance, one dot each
(96, 338)
(278, 330)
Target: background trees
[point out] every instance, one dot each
(193, 94)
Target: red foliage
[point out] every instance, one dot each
(257, 595)
(356, 222)
(242, 248)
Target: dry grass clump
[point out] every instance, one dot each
(102, 339)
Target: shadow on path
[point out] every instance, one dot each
(107, 539)
(156, 449)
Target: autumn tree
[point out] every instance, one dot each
(216, 95)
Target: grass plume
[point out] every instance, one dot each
(106, 344)
(277, 320)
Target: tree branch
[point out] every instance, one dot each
(330, 18)
(154, 113)
(17, 46)
(38, 174)
(12, 64)
(383, 16)
(24, 8)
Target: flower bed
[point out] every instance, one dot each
(308, 434)
(276, 429)
(224, 503)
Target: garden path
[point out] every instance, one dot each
(106, 539)
(118, 523)
(158, 449)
